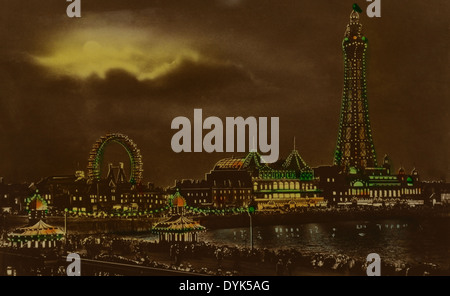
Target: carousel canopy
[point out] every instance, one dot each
(39, 229)
(179, 224)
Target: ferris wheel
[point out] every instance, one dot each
(96, 157)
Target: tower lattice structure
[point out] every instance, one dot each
(355, 145)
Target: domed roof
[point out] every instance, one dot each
(354, 15)
(36, 202)
(401, 171)
(177, 200)
(229, 164)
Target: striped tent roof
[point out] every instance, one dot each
(177, 223)
(40, 228)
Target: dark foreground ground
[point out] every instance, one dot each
(112, 255)
(104, 253)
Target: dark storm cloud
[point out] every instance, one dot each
(52, 120)
(190, 77)
(271, 58)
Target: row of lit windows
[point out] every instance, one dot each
(229, 191)
(234, 197)
(137, 195)
(284, 185)
(199, 201)
(394, 193)
(113, 198)
(341, 199)
(197, 194)
(156, 201)
(75, 209)
(127, 195)
(380, 193)
(287, 195)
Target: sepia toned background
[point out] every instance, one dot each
(133, 66)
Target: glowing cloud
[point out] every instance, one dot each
(87, 53)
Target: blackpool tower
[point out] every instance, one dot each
(354, 146)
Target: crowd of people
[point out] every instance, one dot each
(231, 260)
(207, 258)
(234, 260)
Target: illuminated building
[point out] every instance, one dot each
(12, 197)
(228, 184)
(115, 192)
(236, 182)
(290, 185)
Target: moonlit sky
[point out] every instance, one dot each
(133, 66)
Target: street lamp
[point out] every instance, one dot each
(251, 230)
(250, 210)
(65, 225)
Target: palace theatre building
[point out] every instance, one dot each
(235, 182)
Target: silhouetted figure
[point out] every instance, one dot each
(236, 259)
(177, 256)
(171, 251)
(219, 257)
(289, 267)
(279, 267)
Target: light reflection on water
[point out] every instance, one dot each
(393, 240)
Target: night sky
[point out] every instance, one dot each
(133, 66)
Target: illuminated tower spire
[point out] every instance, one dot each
(354, 145)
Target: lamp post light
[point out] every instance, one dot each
(250, 210)
(65, 225)
(251, 230)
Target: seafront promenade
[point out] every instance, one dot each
(131, 224)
